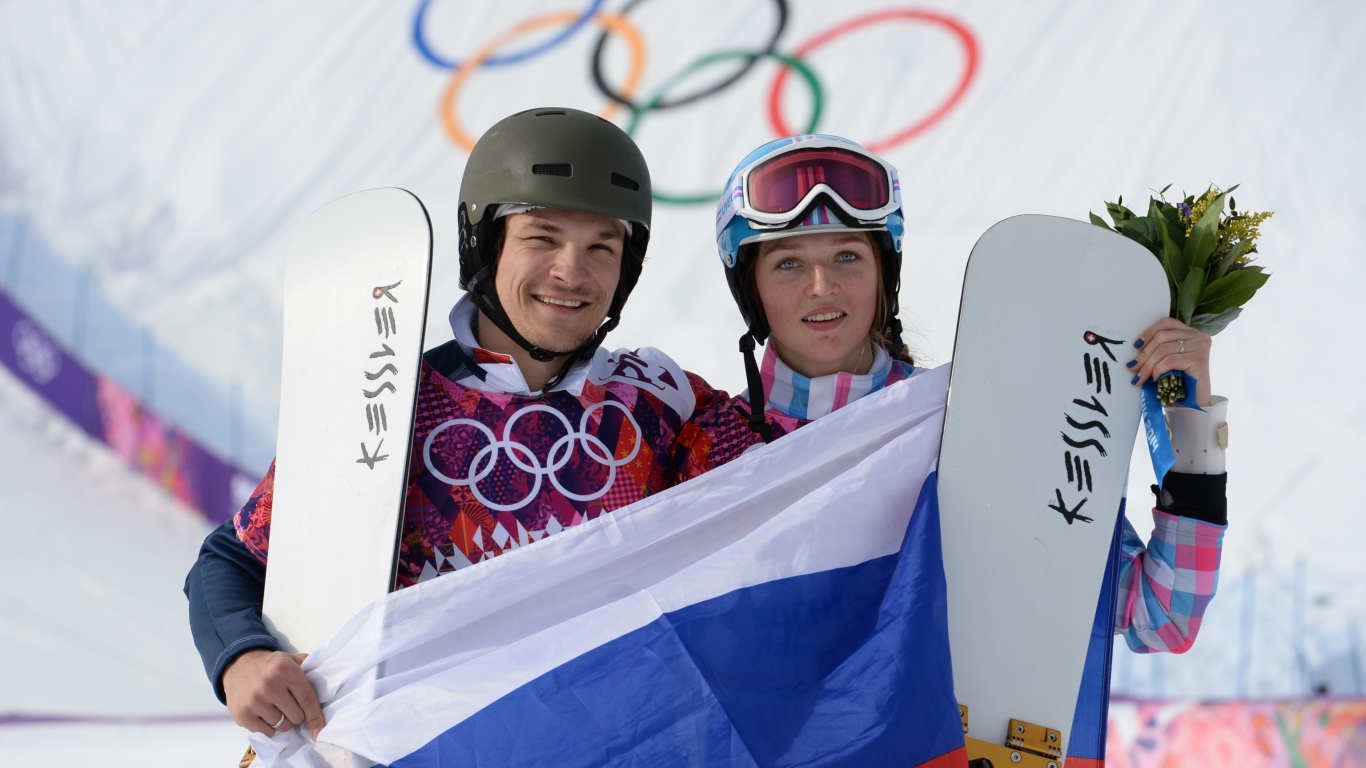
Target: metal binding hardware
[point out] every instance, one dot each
(1042, 741)
(1027, 746)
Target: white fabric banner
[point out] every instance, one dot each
(413, 665)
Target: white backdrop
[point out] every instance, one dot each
(173, 148)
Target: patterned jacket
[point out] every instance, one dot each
(492, 467)
(490, 472)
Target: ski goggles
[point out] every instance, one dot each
(780, 187)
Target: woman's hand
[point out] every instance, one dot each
(1171, 345)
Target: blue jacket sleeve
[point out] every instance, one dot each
(225, 588)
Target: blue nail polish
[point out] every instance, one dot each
(1131, 364)
(1138, 344)
(1135, 381)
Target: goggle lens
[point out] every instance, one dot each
(779, 185)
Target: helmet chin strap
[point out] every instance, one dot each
(485, 296)
(755, 382)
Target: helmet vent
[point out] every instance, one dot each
(550, 112)
(553, 169)
(622, 181)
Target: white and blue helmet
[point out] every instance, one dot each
(803, 185)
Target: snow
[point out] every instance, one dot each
(170, 150)
(123, 744)
(92, 558)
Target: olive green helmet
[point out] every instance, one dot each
(559, 158)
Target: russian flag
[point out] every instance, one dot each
(787, 609)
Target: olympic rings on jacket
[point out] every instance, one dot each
(609, 21)
(714, 88)
(962, 33)
(420, 39)
(651, 104)
(483, 463)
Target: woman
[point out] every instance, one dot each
(809, 231)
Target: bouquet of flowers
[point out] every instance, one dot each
(1206, 253)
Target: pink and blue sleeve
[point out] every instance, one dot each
(1165, 587)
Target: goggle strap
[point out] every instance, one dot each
(826, 199)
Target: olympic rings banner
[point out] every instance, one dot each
(501, 51)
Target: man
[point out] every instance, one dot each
(524, 425)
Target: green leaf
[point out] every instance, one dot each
(1172, 216)
(1157, 209)
(1118, 213)
(1231, 290)
(1144, 230)
(1164, 189)
(1204, 234)
(1098, 221)
(1175, 225)
(1227, 261)
(1189, 294)
(1213, 324)
(1172, 258)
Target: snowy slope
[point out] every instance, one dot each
(192, 744)
(92, 558)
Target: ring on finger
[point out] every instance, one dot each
(1182, 342)
(276, 727)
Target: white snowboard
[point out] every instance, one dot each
(355, 310)
(1040, 424)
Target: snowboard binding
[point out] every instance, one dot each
(1027, 745)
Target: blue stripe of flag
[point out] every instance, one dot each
(848, 667)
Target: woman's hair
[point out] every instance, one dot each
(876, 334)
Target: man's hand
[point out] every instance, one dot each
(262, 685)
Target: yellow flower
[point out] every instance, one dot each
(1200, 207)
(1242, 228)
(1245, 227)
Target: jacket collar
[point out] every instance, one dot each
(800, 397)
(490, 371)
